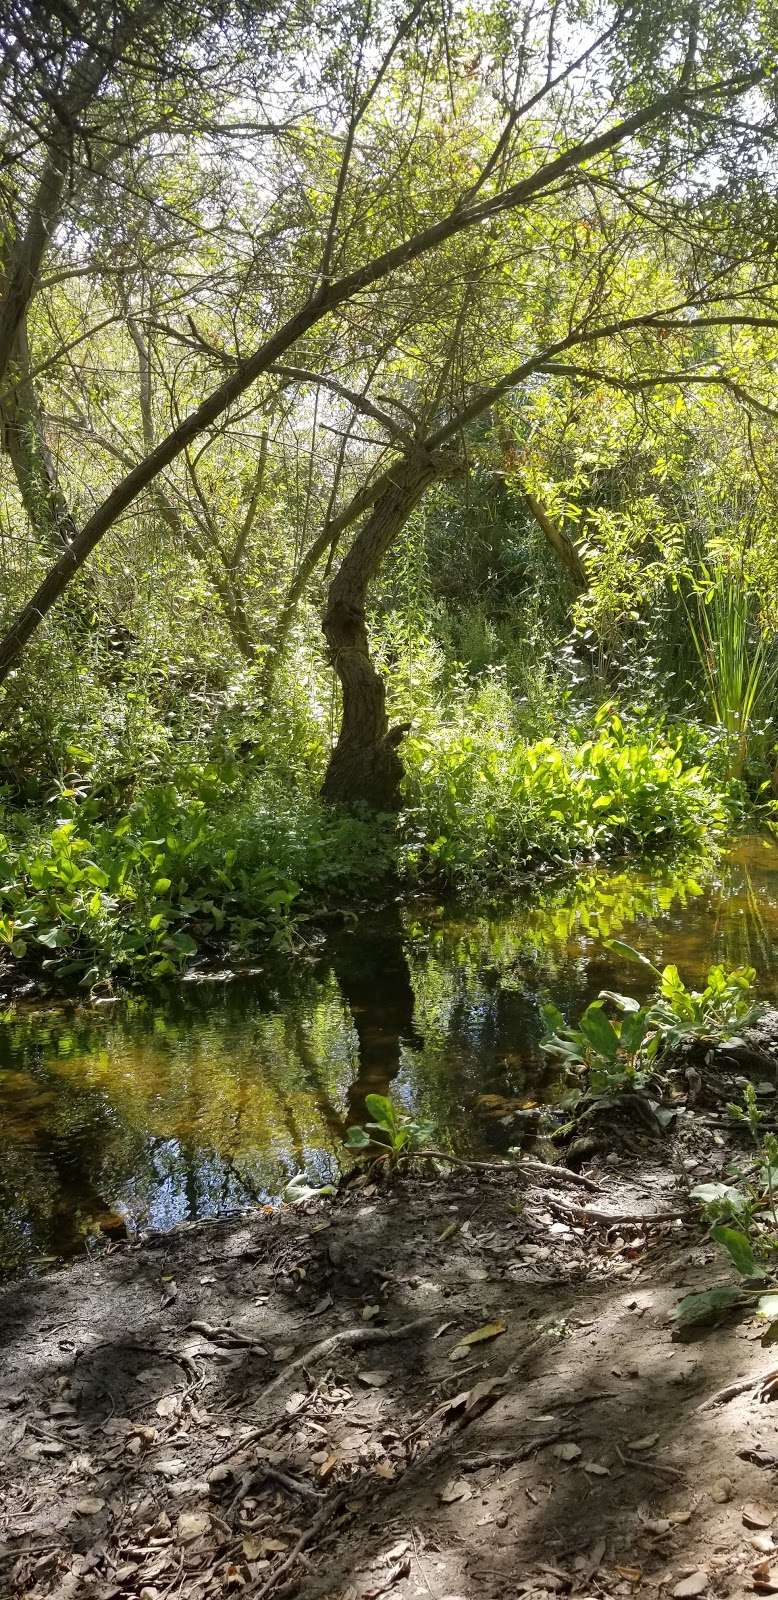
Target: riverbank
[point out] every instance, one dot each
(292, 1402)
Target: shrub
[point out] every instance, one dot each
(482, 804)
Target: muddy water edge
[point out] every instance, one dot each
(146, 1112)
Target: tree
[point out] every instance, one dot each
(645, 110)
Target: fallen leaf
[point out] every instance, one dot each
(455, 1489)
(89, 1506)
(567, 1451)
(369, 1313)
(765, 1578)
(397, 1550)
(170, 1468)
(38, 1449)
(646, 1443)
(192, 1525)
(596, 1469)
(756, 1516)
(490, 1330)
(373, 1380)
(695, 1583)
(764, 1543)
(168, 1406)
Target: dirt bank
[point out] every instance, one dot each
(271, 1405)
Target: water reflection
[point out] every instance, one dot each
(151, 1112)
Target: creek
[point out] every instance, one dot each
(153, 1110)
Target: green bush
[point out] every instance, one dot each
(481, 804)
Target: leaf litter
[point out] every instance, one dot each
(236, 1451)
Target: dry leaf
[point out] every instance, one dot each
(369, 1313)
(695, 1583)
(756, 1516)
(596, 1469)
(765, 1578)
(490, 1330)
(567, 1451)
(192, 1525)
(764, 1543)
(168, 1406)
(172, 1467)
(646, 1443)
(89, 1506)
(373, 1380)
(455, 1489)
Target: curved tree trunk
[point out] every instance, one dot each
(364, 767)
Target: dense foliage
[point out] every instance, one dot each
(450, 325)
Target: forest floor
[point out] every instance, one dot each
(272, 1405)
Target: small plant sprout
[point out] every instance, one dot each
(393, 1131)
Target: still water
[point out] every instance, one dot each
(156, 1110)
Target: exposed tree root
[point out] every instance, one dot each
(347, 1336)
(765, 1387)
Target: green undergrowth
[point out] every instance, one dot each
(478, 808)
(228, 856)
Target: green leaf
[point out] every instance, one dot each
(162, 885)
(381, 1109)
(552, 1017)
(709, 1193)
(698, 1309)
(55, 938)
(356, 1139)
(633, 1031)
(599, 1031)
(737, 1246)
(619, 948)
(625, 1002)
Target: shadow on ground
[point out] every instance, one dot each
(145, 1450)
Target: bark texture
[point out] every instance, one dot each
(34, 466)
(365, 767)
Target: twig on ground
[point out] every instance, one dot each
(562, 1174)
(257, 1475)
(219, 1335)
(508, 1458)
(326, 1514)
(649, 1464)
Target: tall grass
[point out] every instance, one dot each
(736, 653)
